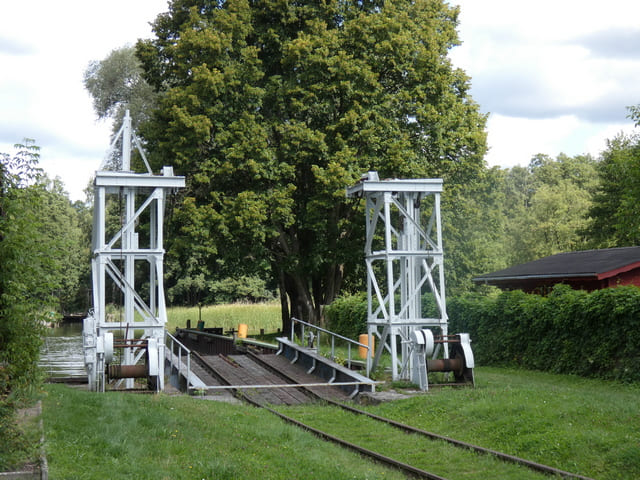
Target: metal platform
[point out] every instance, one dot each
(287, 374)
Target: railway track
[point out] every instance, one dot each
(317, 393)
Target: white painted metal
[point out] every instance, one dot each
(119, 260)
(465, 343)
(404, 261)
(422, 346)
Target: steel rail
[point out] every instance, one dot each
(405, 467)
(409, 469)
(459, 443)
(434, 436)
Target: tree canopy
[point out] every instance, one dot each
(616, 208)
(41, 261)
(272, 108)
(116, 85)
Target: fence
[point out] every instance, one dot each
(312, 338)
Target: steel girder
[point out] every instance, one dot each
(404, 263)
(123, 254)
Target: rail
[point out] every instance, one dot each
(171, 342)
(333, 337)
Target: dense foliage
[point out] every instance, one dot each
(116, 85)
(41, 249)
(272, 108)
(570, 331)
(347, 315)
(616, 209)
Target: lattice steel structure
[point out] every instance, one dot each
(404, 262)
(127, 267)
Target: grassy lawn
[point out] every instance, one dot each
(119, 435)
(583, 426)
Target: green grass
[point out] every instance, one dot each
(583, 426)
(433, 456)
(20, 436)
(256, 316)
(119, 435)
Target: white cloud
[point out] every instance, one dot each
(44, 49)
(556, 77)
(515, 140)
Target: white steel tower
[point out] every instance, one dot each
(127, 268)
(404, 262)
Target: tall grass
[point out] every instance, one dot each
(256, 316)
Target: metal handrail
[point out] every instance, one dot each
(174, 341)
(333, 337)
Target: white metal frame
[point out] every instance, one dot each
(120, 257)
(404, 260)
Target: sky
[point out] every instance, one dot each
(554, 76)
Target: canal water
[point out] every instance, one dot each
(61, 354)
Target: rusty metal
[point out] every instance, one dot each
(446, 365)
(414, 471)
(128, 371)
(238, 390)
(206, 343)
(458, 443)
(405, 467)
(130, 343)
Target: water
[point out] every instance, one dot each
(61, 354)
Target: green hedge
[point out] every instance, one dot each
(347, 315)
(570, 331)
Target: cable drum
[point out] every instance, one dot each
(424, 338)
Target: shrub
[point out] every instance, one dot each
(570, 331)
(347, 315)
(573, 332)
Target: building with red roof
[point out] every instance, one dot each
(585, 270)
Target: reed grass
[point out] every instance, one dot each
(257, 316)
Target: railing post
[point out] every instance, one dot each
(188, 372)
(333, 338)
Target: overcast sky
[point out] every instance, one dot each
(555, 76)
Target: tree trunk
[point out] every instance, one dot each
(298, 300)
(303, 294)
(284, 303)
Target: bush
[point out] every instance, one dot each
(572, 332)
(347, 315)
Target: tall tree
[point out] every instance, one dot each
(32, 269)
(616, 209)
(41, 254)
(65, 227)
(272, 108)
(116, 84)
(475, 230)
